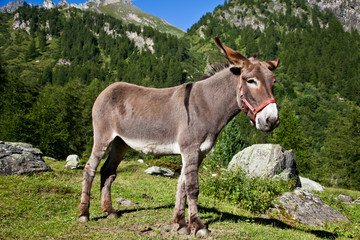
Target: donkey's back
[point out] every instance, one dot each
(146, 119)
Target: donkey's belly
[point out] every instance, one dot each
(152, 147)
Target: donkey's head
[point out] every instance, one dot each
(255, 92)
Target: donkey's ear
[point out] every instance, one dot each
(233, 56)
(272, 65)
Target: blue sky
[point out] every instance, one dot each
(182, 14)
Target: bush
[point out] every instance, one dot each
(251, 193)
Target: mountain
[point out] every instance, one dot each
(127, 11)
(12, 6)
(120, 9)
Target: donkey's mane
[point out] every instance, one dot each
(215, 69)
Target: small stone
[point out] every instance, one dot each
(184, 231)
(141, 161)
(72, 161)
(154, 170)
(344, 198)
(124, 202)
(202, 233)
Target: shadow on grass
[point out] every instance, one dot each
(121, 212)
(225, 216)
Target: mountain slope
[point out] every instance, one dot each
(128, 12)
(121, 9)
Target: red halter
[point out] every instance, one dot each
(252, 109)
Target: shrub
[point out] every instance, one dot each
(251, 193)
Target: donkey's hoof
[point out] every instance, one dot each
(202, 233)
(83, 219)
(184, 231)
(112, 216)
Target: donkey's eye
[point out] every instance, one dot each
(251, 81)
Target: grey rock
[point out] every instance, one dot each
(346, 11)
(124, 202)
(307, 208)
(266, 161)
(140, 161)
(310, 185)
(20, 158)
(154, 170)
(344, 198)
(357, 201)
(72, 161)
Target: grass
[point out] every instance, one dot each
(44, 205)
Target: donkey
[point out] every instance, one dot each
(183, 120)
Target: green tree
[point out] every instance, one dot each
(342, 148)
(31, 52)
(227, 145)
(290, 136)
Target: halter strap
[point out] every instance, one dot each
(251, 108)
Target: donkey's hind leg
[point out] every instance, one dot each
(108, 175)
(180, 205)
(99, 149)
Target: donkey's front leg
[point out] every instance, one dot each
(191, 162)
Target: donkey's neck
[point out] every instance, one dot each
(220, 93)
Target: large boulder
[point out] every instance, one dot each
(20, 158)
(266, 161)
(307, 208)
(310, 185)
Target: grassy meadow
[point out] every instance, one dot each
(44, 206)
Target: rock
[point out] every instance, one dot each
(141, 161)
(310, 185)
(344, 198)
(124, 202)
(48, 158)
(267, 161)
(357, 201)
(20, 158)
(72, 161)
(154, 170)
(307, 208)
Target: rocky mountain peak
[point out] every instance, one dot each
(48, 4)
(346, 11)
(12, 6)
(63, 3)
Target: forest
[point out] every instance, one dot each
(51, 76)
